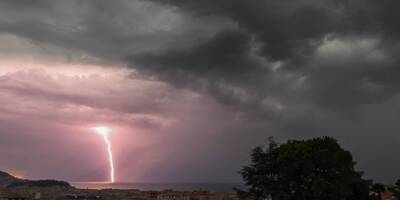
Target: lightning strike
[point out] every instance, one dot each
(104, 131)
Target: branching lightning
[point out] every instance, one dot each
(104, 131)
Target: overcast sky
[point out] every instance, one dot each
(189, 87)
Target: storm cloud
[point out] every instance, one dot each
(218, 76)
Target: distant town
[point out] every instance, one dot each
(12, 188)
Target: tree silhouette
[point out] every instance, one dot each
(312, 169)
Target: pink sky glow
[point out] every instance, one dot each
(47, 111)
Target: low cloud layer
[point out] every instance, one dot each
(200, 82)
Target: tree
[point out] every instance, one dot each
(312, 169)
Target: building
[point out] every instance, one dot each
(173, 195)
(7, 195)
(205, 195)
(387, 196)
(11, 197)
(79, 196)
(151, 195)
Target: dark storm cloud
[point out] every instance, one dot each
(227, 51)
(290, 32)
(241, 55)
(108, 31)
(286, 29)
(226, 57)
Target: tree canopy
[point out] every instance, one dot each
(311, 169)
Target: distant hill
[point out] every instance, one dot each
(9, 181)
(39, 183)
(6, 179)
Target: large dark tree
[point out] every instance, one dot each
(315, 169)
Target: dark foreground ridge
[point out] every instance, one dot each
(6, 179)
(9, 181)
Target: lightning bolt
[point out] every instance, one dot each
(104, 131)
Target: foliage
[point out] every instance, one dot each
(312, 169)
